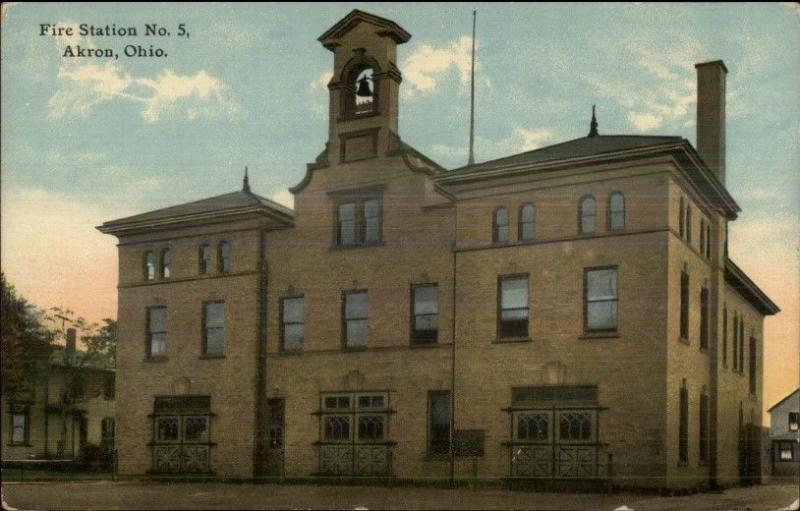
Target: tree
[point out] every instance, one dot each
(103, 341)
(24, 339)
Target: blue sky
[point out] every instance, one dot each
(89, 139)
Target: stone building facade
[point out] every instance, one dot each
(568, 313)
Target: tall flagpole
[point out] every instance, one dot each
(472, 97)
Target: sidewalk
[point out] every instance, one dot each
(148, 495)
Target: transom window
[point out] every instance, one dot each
(600, 299)
(359, 222)
(355, 319)
(533, 426)
(361, 417)
(425, 312)
(292, 333)
(513, 307)
(500, 226)
(574, 426)
(156, 331)
(587, 215)
(214, 328)
(527, 222)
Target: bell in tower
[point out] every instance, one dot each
(364, 90)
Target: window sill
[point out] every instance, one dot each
(359, 245)
(437, 457)
(211, 356)
(13, 444)
(511, 340)
(290, 353)
(599, 335)
(156, 359)
(423, 345)
(348, 349)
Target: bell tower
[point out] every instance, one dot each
(364, 90)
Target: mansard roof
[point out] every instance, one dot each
(384, 27)
(237, 203)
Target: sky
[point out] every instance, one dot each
(89, 139)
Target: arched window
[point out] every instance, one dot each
(204, 259)
(527, 222)
(616, 211)
(149, 266)
(224, 257)
(500, 226)
(166, 264)
(587, 214)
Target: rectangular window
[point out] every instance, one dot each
(689, 224)
(704, 323)
(702, 236)
(786, 450)
(703, 428)
(292, 310)
(359, 222)
(355, 319)
(20, 423)
(794, 421)
(513, 313)
(684, 305)
(682, 218)
(600, 300)
(735, 342)
(708, 241)
(753, 366)
(425, 312)
(214, 328)
(725, 337)
(683, 431)
(439, 422)
(156, 331)
(108, 386)
(741, 344)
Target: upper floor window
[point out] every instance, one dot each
(512, 318)
(109, 384)
(616, 211)
(166, 264)
(359, 222)
(708, 240)
(702, 236)
(150, 265)
(794, 421)
(224, 257)
(688, 224)
(704, 318)
(292, 309)
(156, 331)
(500, 226)
(214, 328)
(204, 258)
(600, 299)
(684, 305)
(425, 311)
(753, 365)
(527, 222)
(741, 344)
(355, 319)
(682, 218)
(735, 341)
(725, 336)
(587, 214)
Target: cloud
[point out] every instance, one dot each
(644, 121)
(427, 65)
(519, 140)
(321, 82)
(83, 87)
(284, 197)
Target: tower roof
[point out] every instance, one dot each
(384, 27)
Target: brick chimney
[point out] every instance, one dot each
(711, 115)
